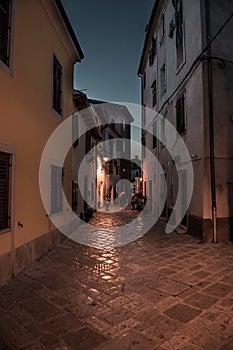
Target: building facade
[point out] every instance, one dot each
(185, 68)
(87, 133)
(115, 152)
(37, 55)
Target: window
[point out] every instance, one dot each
(154, 93)
(56, 189)
(5, 31)
(143, 116)
(179, 36)
(154, 136)
(144, 80)
(161, 30)
(152, 52)
(4, 190)
(57, 86)
(74, 195)
(120, 145)
(75, 130)
(143, 140)
(162, 132)
(180, 115)
(163, 79)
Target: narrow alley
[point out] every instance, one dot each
(163, 291)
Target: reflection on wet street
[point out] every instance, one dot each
(110, 218)
(112, 228)
(162, 291)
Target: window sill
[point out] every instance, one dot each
(60, 116)
(180, 67)
(5, 230)
(56, 214)
(6, 68)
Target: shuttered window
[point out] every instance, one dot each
(180, 115)
(5, 14)
(57, 86)
(56, 189)
(4, 190)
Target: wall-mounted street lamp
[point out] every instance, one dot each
(106, 159)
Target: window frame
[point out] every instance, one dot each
(181, 130)
(58, 109)
(10, 151)
(162, 30)
(152, 52)
(56, 190)
(154, 93)
(164, 88)
(8, 66)
(75, 188)
(178, 68)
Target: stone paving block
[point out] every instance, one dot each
(63, 324)
(208, 340)
(130, 340)
(218, 289)
(14, 334)
(20, 315)
(228, 279)
(162, 329)
(191, 347)
(172, 287)
(182, 313)
(51, 342)
(201, 301)
(40, 308)
(85, 338)
(201, 274)
(119, 302)
(166, 271)
(122, 327)
(35, 346)
(154, 297)
(100, 325)
(228, 345)
(175, 342)
(167, 303)
(117, 315)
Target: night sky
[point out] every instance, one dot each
(111, 35)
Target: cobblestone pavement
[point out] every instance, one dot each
(163, 291)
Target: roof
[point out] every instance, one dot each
(80, 100)
(69, 28)
(149, 33)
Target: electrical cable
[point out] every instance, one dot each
(199, 58)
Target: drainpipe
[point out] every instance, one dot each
(142, 111)
(211, 125)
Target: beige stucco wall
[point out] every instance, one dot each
(27, 118)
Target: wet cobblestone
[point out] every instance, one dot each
(163, 291)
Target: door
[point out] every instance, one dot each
(184, 196)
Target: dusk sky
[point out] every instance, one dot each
(111, 35)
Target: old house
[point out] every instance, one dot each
(185, 69)
(38, 49)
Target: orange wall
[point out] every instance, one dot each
(27, 118)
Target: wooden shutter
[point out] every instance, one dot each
(56, 189)
(4, 189)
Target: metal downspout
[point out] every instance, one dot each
(211, 126)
